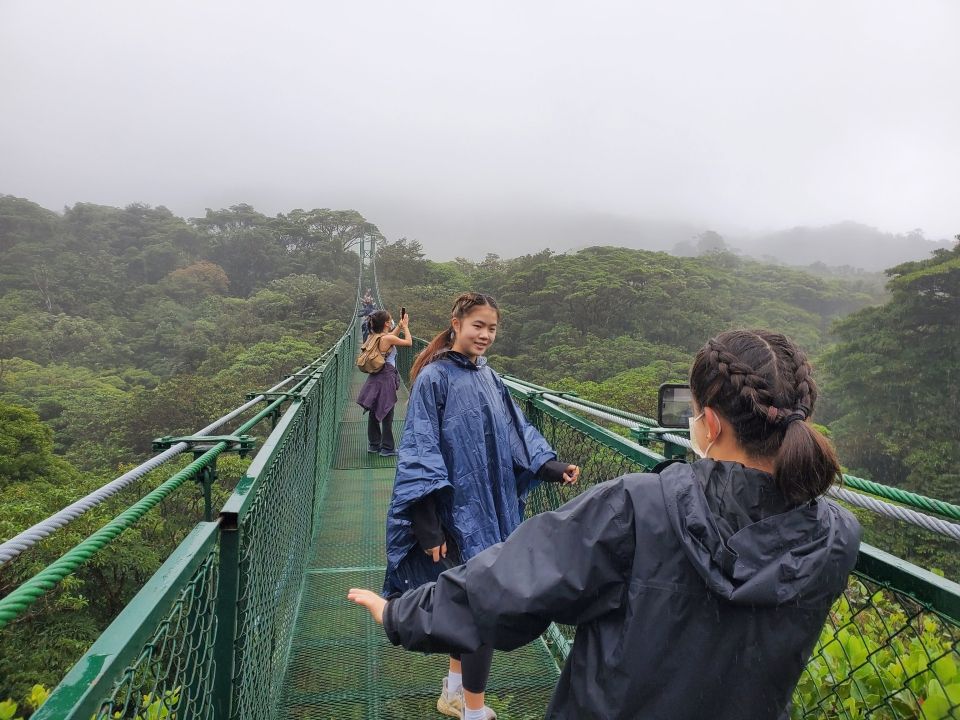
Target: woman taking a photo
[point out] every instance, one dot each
(468, 459)
(698, 591)
(378, 396)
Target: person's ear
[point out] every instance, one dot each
(455, 324)
(713, 424)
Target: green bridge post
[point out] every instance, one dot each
(226, 610)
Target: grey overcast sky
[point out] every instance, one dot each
(739, 116)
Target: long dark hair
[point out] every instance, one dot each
(462, 306)
(761, 382)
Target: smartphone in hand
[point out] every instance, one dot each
(403, 313)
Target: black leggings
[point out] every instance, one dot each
(475, 668)
(381, 433)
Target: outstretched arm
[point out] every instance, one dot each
(393, 337)
(569, 566)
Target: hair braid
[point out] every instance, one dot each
(762, 383)
(750, 386)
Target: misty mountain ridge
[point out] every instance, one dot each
(847, 243)
(514, 231)
(510, 232)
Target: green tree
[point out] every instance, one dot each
(892, 398)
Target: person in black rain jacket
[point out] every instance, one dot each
(697, 592)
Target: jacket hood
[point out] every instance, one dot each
(461, 360)
(748, 543)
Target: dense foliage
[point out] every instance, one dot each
(119, 325)
(893, 396)
(613, 323)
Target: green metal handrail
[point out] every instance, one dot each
(106, 669)
(17, 601)
(207, 636)
(633, 417)
(647, 429)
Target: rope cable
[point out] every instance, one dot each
(26, 539)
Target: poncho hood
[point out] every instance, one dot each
(748, 544)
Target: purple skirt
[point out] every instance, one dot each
(379, 392)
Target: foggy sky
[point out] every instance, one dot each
(430, 118)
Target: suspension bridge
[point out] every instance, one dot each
(247, 618)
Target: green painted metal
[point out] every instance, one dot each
(639, 454)
(29, 592)
(241, 444)
(340, 663)
(226, 611)
(891, 646)
(276, 518)
(251, 576)
(633, 451)
(924, 586)
(90, 689)
(634, 417)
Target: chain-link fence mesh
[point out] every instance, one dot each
(173, 671)
(274, 536)
(884, 655)
(341, 664)
(173, 676)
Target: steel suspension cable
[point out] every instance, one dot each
(34, 534)
(914, 517)
(631, 420)
(30, 591)
(26, 539)
(903, 496)
(942, 527)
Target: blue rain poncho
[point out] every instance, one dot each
(466, 440)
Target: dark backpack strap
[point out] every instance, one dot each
(661, 466)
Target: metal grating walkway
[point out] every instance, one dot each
(341, 665)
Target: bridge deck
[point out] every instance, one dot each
(341, 665)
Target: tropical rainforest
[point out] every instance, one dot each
(119, 325)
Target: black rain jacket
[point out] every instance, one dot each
(698, 592)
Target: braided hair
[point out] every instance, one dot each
(761, 382)
(462, 306)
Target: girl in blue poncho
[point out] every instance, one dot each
(468, 459)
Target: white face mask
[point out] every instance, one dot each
(694, 445)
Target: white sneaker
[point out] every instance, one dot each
(449, 704)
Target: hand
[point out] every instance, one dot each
(405, 321)
(571, 475)
(370, 600)
(440, 551)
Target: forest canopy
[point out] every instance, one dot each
(118, 325)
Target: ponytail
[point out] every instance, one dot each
(462, 306)
(806, 464)
(761, 383)
(441, 342)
